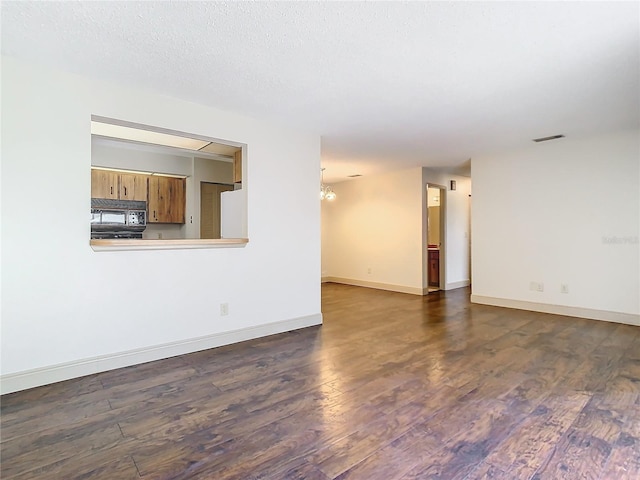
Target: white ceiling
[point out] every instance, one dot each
(387, 84)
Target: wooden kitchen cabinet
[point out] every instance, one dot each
(434, 268)
(237, 167)
(133, 186)
(165, 195)
(118, 186)
(166, 199)
(104, 184)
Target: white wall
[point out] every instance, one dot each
(379, 222)
(562, 212)
(65, 304)
(375, 222)
(325, 236)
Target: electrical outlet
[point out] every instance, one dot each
(224, 309)
(564, 288)
(369, 270)
(536, 287)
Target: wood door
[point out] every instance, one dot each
(104, 184)
(210, 208)
(166, 200)
(133, 186)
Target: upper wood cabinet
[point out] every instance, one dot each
(133, 186)
(166, 196)
(237, 167)
(119, 186)
(166, 200)
(104, 184)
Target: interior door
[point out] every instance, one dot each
(210, 208)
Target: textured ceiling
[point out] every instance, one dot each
(387, 84)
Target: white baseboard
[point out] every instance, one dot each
(616, 317)
(449, 286)
(391, 287)
(380, 286)
(460, 284)
(14, 382)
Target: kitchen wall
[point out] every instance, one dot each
(128, 156)
(374, 233)
(564, 212)
(68, 310)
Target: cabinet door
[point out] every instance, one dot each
(133, 186)
(166, 200)
(177, 199)
(157, 201)
(434, 268)
(237, 167)
(104, 184)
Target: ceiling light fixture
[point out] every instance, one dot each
(325, 192)
(146, 136)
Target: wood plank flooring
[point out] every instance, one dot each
(392, 386)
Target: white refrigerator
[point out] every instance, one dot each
(233, 214)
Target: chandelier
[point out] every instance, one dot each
(325, 191)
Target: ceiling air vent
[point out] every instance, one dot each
(546, 139)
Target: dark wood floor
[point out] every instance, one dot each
(393, 386)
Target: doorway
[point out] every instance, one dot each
(210, 208)
(435, 238)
